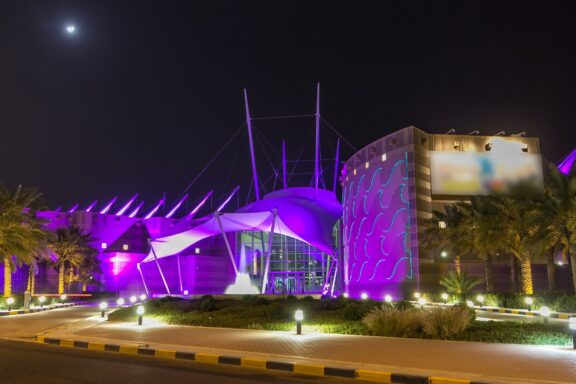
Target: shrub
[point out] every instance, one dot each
(291, 298)
(274, 311)
(307, 299)
(393, 322)
(207, 303)
(354, 311)
(491, 300)
(565, 303)
(444, 323)
(459, 284)
(261, 301)
(403, 305)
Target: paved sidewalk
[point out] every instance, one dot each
(518, 363)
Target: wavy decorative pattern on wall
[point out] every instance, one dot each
(377, 225)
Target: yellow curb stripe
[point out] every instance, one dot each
(40, 339)
(96, 346)
(379, 376)
(447, 380)
(128, 350)
(66, 343)
(563, 316)
(165, 354)
(309, 369)
(253, 363)
(501, 310)
(514, 311)
(206, 358)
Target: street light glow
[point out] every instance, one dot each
(70, 28)
(545, 311)
(133, 299)
(10, 301)
(103, 305)
(480, 299)
(364, 296)
(388, 298)
(299, 315)
(529, 300)
(120, 301)
(345, 295)
(63, 297)
(142, 297)
(140, 310)
(444, 296)
(421, 301)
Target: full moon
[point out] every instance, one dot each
(70, 28)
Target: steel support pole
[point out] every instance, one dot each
(226, 242)
(251, 142)
(270, 238)
(317, 151)
(143, 281)
(159, 268)
(336, 165)
(179, 272)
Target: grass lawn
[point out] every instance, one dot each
(340, 316)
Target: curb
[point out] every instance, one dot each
(35, 310)
(255, 363)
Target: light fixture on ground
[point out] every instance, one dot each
(345, 295)
(133, 299)
(444, 254)
(364, 296)
(480, 299)
(572, 326)
(10, 302)
(444, 297)
(142, 297)
(388, 298)
(421, 301)
(545, 313)
(529, 301)
(470, 303)
(63, 298)
(120, 302)
(103, 305)
(41, 300)
(299, 316)
(140, 312)
(417, 295)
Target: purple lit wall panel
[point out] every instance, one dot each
(566, 164)
(377, 251)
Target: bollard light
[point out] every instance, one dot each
(417, 295)
(120, 302)
(133, 299)
(388, 298)
(545, 313)
(142, 297)
(470, 303)
(480, 299)
(364, 296)
(41, 299)
(345, 295)
(63, 298)
(186, 292)
(140, 312)
(103, 305)
(529, 301)
(422, 301)
(10, 302)
(444, 297)
(572, 326)
(299, 316)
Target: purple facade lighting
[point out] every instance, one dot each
(154, 210)
(136, 210)
(566, 165)
(91, 206)
(74, 208)
(177, 206)
(252, 157)
(108, 206)
(123, 210)
(199, 206)
(221, 207)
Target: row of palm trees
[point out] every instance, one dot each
(528, 224)
(25, 240)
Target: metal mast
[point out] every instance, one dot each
(317, 153)
(249, 124)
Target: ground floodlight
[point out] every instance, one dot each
(388, 298)
(364, 296)
(120, 301)
(417, 295)
(103, 305)
(186, 292)
(529, 301)
(133, 299)
(142, 297)
(299, 316)
(422, 301)
(42, 299)
(10, 302)
(444, 297)
(140, 312)
(480, 299)
(63, 297)
(469, 303)
(345, 295)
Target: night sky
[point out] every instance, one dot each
(145, 93)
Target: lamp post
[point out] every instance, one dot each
(299, 316)
(103, 306)
(140, 312)
(10, 302)
(572, 326)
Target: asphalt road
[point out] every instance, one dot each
(27, 363)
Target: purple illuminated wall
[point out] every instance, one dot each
(377, 252)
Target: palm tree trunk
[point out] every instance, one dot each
(7, 277)
(457, 265)
(551, 270)
(61, 279)
(489, 273)
(514, 273)
(573, 266)
(526, 270)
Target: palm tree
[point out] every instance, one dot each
(21, 232)
(72, 246)
(459, 284)
(448, 232)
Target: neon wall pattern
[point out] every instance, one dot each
(377, 250)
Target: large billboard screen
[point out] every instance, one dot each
(473, 173)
